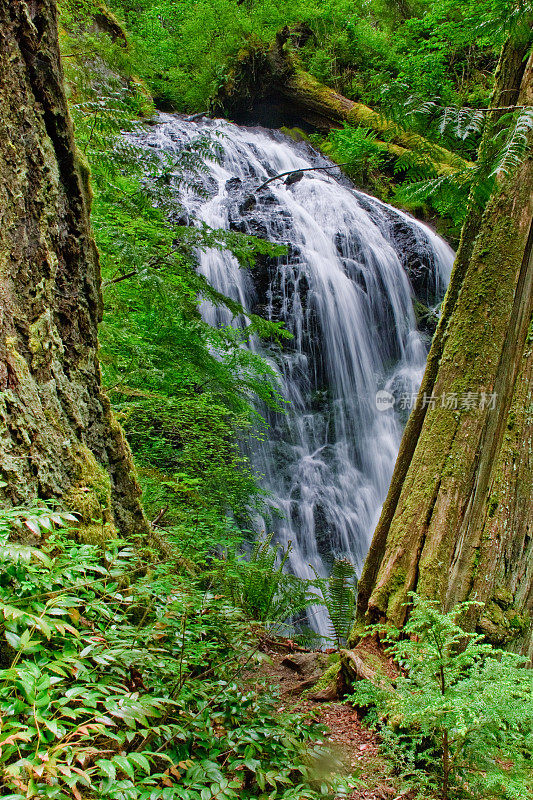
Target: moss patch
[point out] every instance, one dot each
(90, 499)
(328, 678)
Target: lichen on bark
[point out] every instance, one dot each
(59, 439)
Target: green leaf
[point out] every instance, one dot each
(53, 727)
(12, 639)
(125, 766)
(107, 767)
(140, 760)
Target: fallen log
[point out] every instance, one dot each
(326, 107)
(269, 77)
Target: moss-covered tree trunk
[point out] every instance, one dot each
(457, 522)
(58, 436)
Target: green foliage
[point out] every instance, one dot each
(122, 679)
(356, 147)
(258, 584)
(448, 194)
(460, 719)
(512, 141)
(183, 50)
(338, 593)
(452, 194)
(20, 522)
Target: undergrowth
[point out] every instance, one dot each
(122, 678)
(458, 722)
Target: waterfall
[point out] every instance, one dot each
(345, 291)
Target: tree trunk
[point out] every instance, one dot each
(59, 438)
(457, 521)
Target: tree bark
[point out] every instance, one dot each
(457, 521)
(59, 438)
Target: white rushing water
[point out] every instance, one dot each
(345, 294)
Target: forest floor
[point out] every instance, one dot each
(354, 748)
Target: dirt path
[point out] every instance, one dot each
(355, 746)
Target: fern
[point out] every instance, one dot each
(463, 122)
(501, 155)
(358, 150)
(504, 136)
(515, 137)
(341, 595)
(338, 593)
(506, 17)
(261, 587)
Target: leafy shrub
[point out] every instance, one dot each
(357, 148)
(460, 720)
(121, 678)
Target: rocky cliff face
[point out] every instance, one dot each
(58, 436)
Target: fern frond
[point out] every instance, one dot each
(516, 139)
(341, 598)
(338, 594)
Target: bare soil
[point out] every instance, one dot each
(354, 747)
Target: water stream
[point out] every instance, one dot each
(346, 291)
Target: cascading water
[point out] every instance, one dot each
(345, 291)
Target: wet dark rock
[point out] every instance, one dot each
(233, 184)
(268, 199)
(349, 245)
(354, 271)
(322, 526)
(209, 184)
(248, 204)
(183, 219)
(238, 225)
(416, 260)
(294, 253)
(254, 227)
(412, 248)
(294, 177)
